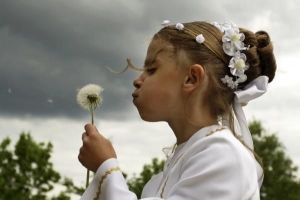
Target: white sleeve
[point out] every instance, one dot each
(109, 184)
(209, 170)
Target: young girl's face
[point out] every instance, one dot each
(158, 94)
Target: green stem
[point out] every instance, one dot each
(87, 178)
(92, 113)
(88, 171)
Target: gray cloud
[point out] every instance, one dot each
(48, 49)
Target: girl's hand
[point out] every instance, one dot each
(95, 149)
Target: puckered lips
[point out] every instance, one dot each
(134, 96)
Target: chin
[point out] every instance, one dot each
(146, 118)
(149, 118)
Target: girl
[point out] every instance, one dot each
(196, 76)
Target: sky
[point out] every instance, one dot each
(51, 48)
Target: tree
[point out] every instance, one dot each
(27, 173)
(137, 183)
(280, 181)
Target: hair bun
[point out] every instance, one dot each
(265, 51)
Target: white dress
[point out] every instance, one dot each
(208, 166)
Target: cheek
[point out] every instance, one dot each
(152, 97)
(156, 92)
(159, 99)
(160, 90)
(153, 105)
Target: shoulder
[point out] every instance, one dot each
(222, 157)
(221, 148)
(219, 143)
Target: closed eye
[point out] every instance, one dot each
(150, 70)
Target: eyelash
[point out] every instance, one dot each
(150, 70)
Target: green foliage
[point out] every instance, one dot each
(280, 180)
(137, 183)
(27, 172)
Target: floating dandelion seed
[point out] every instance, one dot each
(51, 102)
(89, 98)
(9, 90)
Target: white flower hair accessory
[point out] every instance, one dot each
(179, 26)
(165, 23)
(232, 46)
(200, 38)
(230, 83)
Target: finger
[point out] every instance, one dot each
(82, 151)
(91, 130)
(90, 127)
(85, 139)
(84, 135)
(80, 156)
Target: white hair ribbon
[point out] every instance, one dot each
(251, 91)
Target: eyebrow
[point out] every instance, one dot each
(149, 61)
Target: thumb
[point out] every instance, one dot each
(90, 128)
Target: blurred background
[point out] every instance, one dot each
(51, 48)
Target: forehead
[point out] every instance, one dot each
(158, 48)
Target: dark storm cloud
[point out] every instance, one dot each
(51, 48)
(48, 49)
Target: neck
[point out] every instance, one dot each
(184, 127)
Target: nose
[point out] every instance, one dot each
(137, 83)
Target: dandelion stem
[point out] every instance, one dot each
(87, 178)
(88, 171)
(92, 112)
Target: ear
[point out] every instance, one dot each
(194, 77)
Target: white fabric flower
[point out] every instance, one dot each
(229, 26)
(165, 23)
(232, 41)
(89, 96)
(226, 79)
(225, 26)
(179, 26)
(218, 25)
(242, 78)
(238, 64)
(232, 45)
(200, 38)
(234, 84)
(230, 83)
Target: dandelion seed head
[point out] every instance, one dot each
(89, 96)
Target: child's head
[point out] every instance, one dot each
(183, 49)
